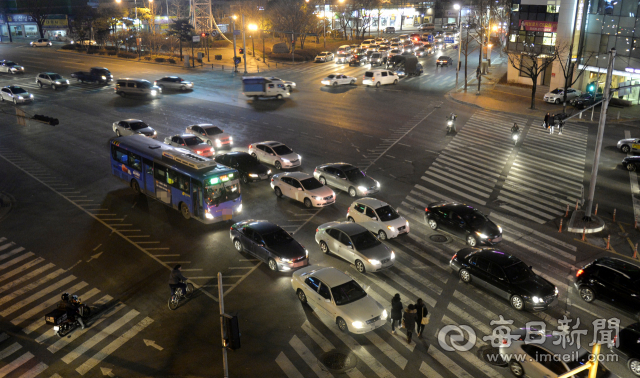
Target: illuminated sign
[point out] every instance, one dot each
(632, 70)
(543, 26)
(214, 181)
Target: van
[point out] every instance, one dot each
(367, 42)
(344, 49)
(390, 29)
(379, 77)
(139, 87)
(425, 27)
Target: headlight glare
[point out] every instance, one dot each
(357, 324)
(362, 189)
(317, 198)
(384, 315)
(481, 235)
(252, 175)
(536, 300)
(391, 228)
(374, 262)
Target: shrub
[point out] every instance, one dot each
(171, 60)
(147, 58)
(128, 55)
(102, 52)
(111, 53)
(220, 44)
(110, 48)
(160, 60)
(68, 47)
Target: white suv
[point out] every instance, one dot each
(378, 217)
(379, 77)
(556, 96)
(276, 154)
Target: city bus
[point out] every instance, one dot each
(195, 185)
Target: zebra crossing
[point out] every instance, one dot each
(34, 292)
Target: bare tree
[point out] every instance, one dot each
(569, 66)
(291, 16)
(531, 62)
(363, 22)
(345, 13)
(39, 10)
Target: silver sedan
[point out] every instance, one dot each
(133, 127)
(15, 94)
(173, 83)
(11, 67)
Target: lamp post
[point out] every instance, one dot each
(459, 9)
(253, 28)
(233, 28)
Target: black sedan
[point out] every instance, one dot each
(629, 347)
(269, 243)
(250, 169)
(506, 276)
(585, 100)
(631, 163)
(358, 60)
(463, 221)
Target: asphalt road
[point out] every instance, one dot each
(114, 247)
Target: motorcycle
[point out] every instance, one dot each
(64, 322)
(178, 296)
(451, 124)
(515, 136)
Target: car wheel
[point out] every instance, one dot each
(516, 368)
(634, 365)
(432, 223)
(557, 101)
(587, 294)
(272, 265)
(40, 84)
(625, 149)
(382, 235)
(351, 220)
(123, 94)
(360, 266)
(335, 84)
(279, 97)
(353, 192)
(245, 179)
(307, 203)
(237, 244)
(278, 165)
(378, 85)
(322, 180)
(517, 303)
(631, 167)
(324, 247)
(183, 88)
(277, 191)
(465, 276)
(342, 325)
(302, 297)
(353, 82)
(254, 156)
(395, 82)
(184, 209)
(471, 240)
(135, 186)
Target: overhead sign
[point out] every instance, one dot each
(452, 13)
(430, 38)
(196, 38)
(542, 26)
(632, 70)
(449, 40)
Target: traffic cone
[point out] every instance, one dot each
(576, 204)
(608, 242)
(567, 213)
(584, 233)
(596, 212)
(635, 251)
(560, 230)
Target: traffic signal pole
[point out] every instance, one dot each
(225, 364)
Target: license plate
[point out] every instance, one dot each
(263, 176)
(329, 202)
(499, 238)
(300, 263)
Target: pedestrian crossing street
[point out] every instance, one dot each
(421, 271)
(30, 288)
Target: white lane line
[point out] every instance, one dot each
(524, 215)
(34, 371)
(47, 304)
(537, 241)
(461, 194)
(387, 349)
(9, 350)
(308, 357)
(413, 290)
(22, 268)
(447, 363)
(428, 371)
(11, 253)
(48, 289)
(3, 247)
(287, 367)
(532, 231)
(15, 364)
(434, 196)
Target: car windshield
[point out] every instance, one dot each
(55, 77)
(18, 90)
(137, 125)
(347, 293)
(331, 76)
(192, 140)
(518, 272)
(556, 91)
(247, 160)
(364, 240)
(476, 219)
(387, 213)
(9, 64)
(354, 174)
(311, 184)
(322, 54)
(282, 150)
(213, 130)
(276, 238)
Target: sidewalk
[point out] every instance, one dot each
(517, 100)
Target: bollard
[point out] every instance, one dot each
(635, 251)
(608, 242)
(614, 215)
(584, 233)
(223, 67)
(618, 115)
(576, 205)
(580, 115)
(596, 212)
(560, 229)
(567, 213)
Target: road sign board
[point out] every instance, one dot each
(430, 38)
(449, 40)
(236, 32)
(214, 33)
(196, 38)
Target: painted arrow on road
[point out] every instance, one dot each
(95, 257)
(152, 343)
(106, 371)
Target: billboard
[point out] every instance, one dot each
(543, 26)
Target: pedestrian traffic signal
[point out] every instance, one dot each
(231, 332)
(591, 87)
(44, 119)
(241, 51)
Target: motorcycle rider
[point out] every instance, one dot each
(177, 280)
(451, 123)
(515, 128)
(70, 304)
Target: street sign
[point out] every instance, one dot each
(449, 40)
(236, 32)
(214, 33)
(196, 38)
(430, 38)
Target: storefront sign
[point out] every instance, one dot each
(56, 21)
(543, 26)
(20, 18)
(452, 13)
(632, 70)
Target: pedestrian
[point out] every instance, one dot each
(422, 316)
(545, 124)
(409, 321)
(560, 126)
(552, 123)
(396, 312)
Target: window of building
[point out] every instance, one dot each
(549, 39)
(553, 9)
(594, 23)
(610, 25)
(515, 7)
(625, 28)
(628, 8)
(623, 46)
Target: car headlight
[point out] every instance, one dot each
(357, 324)
(20, 98)
(555, 291)
(57, 82)
(299, 157)
(285, 160)
(377, 184)
(269, 172)
(536, 299)
(104, 78)
(384, 315)
(406, 223)
(155, 132)
(67, 81)
(317, 198)
(500, 229)
(218, 141)
(252, 175)
(306, 253)
(239, 208)
(362, 189)
(208, 215)
(154, 92)
(481, 235)
(393, 255)
(285, 260)
(374, 262)
(30, 96)
(391, 228)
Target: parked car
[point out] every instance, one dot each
(173, 83)
(444, 61)
(629, 144)
(556, 96)
(628, 347)
(249, 168)
(355, 244)
(463, 221)
(611, 280)
(585, 100)
(329, 291)
(631, 163)
(390, 29)
(10, 67)
(379, 77)
(303, 188)
(378, 217)
(51, 79)
(134, 127)
(346, 177)
(211, 134)
(190, 142)
(506, 276)
(269, 243)
(15, 94)
(42, 42)
(324, 56)
(338, 79)
(276, 154)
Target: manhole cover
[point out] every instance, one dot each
(492, 356)
(338, 362)
(438, 238)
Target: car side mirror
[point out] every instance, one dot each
(374, 218)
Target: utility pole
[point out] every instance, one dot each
(324, 22)
(233, 28)
(479, 70)
(459, 42)
(603, 118)
(225, 364)
(244, 46)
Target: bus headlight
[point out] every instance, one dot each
(239, 208)
(208, 215)
(154, 92)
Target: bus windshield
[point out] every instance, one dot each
(221, 191)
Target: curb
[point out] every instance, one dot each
(6, 204)
(464, 103)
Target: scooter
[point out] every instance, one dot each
(63, 322)
(179, 296)
(515, 136)
(451, 127)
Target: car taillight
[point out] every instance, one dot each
(317, 229)
(271, 179)
(426, 209)
(454, 257)
(348, 209)
(579, 273)
(250, 146)
(155, 83)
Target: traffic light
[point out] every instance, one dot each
(203, 35)
(241, 51)
(44, 119)
(591, 87)
(231, 332)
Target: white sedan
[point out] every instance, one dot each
(302, 187)
(11, 67)
(556, 96)
(15, 94)
(134, 127)
(331, 293)
(211, 134)
(173, 83)
(276, 154)
(191, 142)
(324, 56)
(339, 79)
(378, 217)
(42, 42)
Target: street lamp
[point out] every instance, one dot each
(253, 28)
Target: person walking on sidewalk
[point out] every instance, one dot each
(545, 124)
(396, 312)
(422, 316)
(552, 123)
(409, 321)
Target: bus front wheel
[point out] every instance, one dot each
(135, 186)
(184, 209)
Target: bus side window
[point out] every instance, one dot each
(160, 173)
(135, 161)
(183, 183)
(148, 166)
(120, 155)
(172, 178)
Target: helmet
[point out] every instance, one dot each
(75, 299)
(65, 297)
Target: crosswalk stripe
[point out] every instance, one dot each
(16, 260)
(457, 180)
(455, 146)
(480, 365)
(428, 372)
(573, 170)
(463, 161)
(3, 337)
(483, 185)
(534, 232)
(520, 171)
(477, 156)
(318, 337)
(476, 140)
(447, 363)
(36, 296)
(414, 290)
(523, 214)
(34, 371)
(12, 252)
(287, 367)
(509, 230)
(113, 346)
(13, 365)
(439, 197)
(45, 305)
(423, 197)
(478, 308)
(308, 357)
(562, 286)
(459, 193)
(387, 349)
(549, 190)
(569, 157)
(415, 201)
(62, 342)
(9, 350)
(548, 213)
(541, 196)
(26, 276)
(101, 335)
(418, 278)
(537, 252)
(438, 272)
(469, 318)
(447, 166)
(448, 321)
(560, 167)
(2, 239)
(5, 246)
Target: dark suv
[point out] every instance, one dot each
(629, 347)
(611, 280)
(463, 221)
(444, 61)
